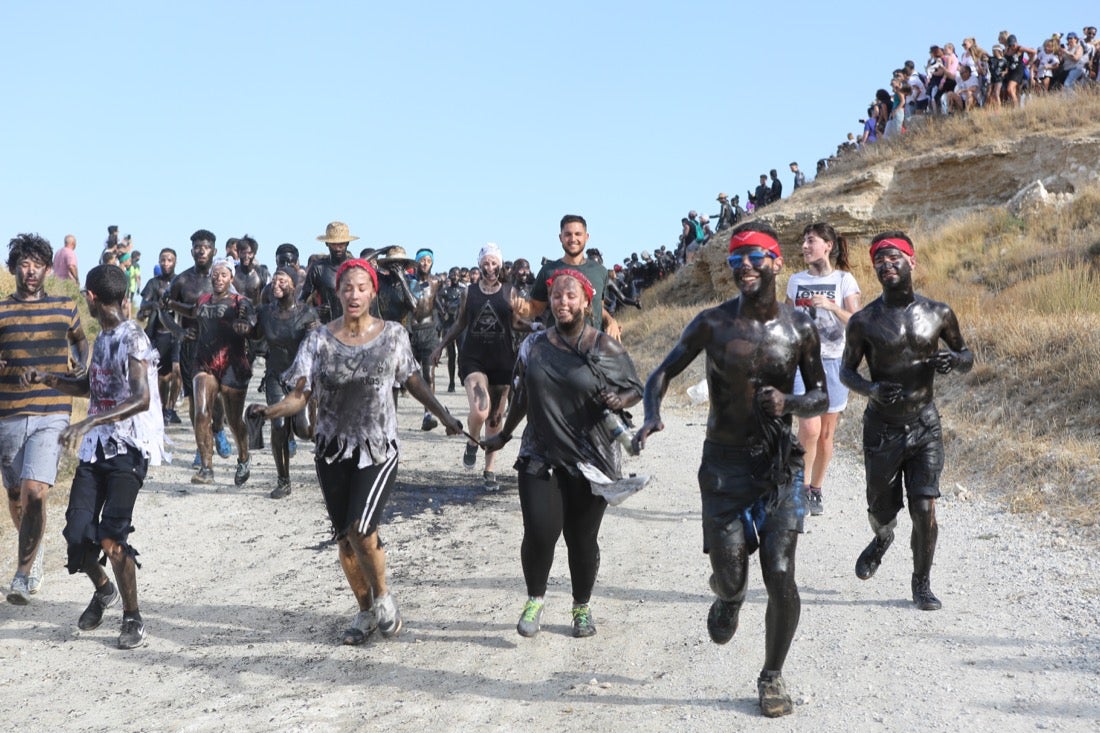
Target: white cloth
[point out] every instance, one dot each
(836, 286)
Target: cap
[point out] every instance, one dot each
(1072, 35)
(1010, 41)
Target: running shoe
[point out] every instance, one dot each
(204, 476)
(583, 623)
(491, 483)
(102, 599)
(774, 700)
(430, 423)
(451, 387)
(387, 614)
(871, 557)
(922, 594)
(529, 620)
(469, 458)
(221, 444)
(281, 490)
(133, 633)
(362, 626)
(20, 592)
(244, 470)
(173, 418)
(293, 447)
(197, 463)
(813, 499)
(34, 580)
(722, 620)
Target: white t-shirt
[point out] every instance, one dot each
(970, 84)
(109, 383)
(836, 286)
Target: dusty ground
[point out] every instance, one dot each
(244, 603)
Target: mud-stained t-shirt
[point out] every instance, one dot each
(836, 286)
(353, 386)
(284, 335)
(219, 345)
(109, 384)
(562, 408)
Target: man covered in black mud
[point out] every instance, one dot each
(319, 285)
(899, 335)
(751, 472)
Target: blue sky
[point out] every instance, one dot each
(443, 125)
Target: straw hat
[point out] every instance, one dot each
(395, 255)
(336, 231)
(721, 197)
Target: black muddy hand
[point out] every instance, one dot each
(886, 393)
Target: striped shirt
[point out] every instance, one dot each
(35, 333)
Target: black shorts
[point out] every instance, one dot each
(737, 501)
(232, 376)
(499, 374)
(901, 451)
(424, 341)
(187, 366)
(355, 497)
(168, 348)
(101, 503)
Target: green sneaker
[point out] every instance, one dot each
(528, 624)
(583, 624)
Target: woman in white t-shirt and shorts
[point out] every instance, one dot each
(830, 295)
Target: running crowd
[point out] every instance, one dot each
(343, 336)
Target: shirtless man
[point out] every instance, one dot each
(249, 278)
(186, 289)
(750, 478)
(424, 324)
(448, 301)
(899, 335)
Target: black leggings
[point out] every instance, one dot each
(553, 505)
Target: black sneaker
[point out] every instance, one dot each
(722, 620)
(923, 596)
(871, 557)
(281, 490)
(132, 635)
(451, 387)
(430, 423)
(102, 599)
(813, 500)
(469, 458)
(174, 418)
(244, 470)
(774, 700)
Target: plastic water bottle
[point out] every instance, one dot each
(618, 431)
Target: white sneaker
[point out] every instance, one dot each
(19, 594)
(389, 618)
(34, 580)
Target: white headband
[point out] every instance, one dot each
(490, 250)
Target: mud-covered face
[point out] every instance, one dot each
(753, 269)
(356, 292)
(568, 300)
(490, 269)
(247, 255)
(220, 280)
(202, 252)
(424, 265)
(893, 268)
(167, 264)
(338, 251)
(281, 285)
(30, 276)
(475, 275)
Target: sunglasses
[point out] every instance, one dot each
(756, 259)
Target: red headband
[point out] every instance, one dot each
(576, 275)
(749, 238)
(898, 244)
(362, 265)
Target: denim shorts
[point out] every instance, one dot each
(29, 448)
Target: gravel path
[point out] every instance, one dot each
(244, 602)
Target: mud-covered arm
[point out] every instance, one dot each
(855, 345)
(957, 357)
(137, 402)
(692, 341)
